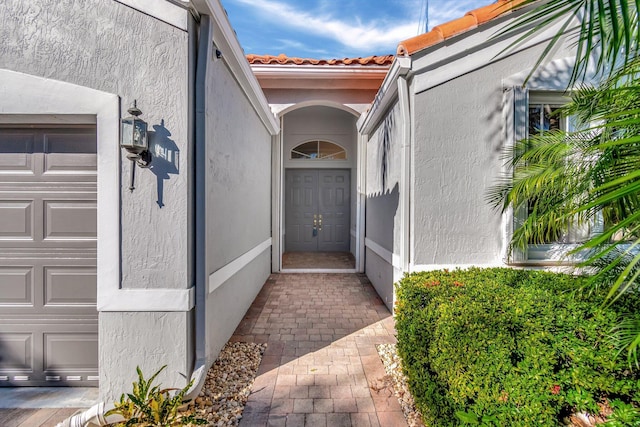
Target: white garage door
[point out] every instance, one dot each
(48, 318)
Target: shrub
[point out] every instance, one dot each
(508, 347)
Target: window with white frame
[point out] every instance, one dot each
(536, 113)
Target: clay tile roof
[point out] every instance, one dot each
(469, 21)
(283, 59)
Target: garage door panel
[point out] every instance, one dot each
(72, 219)
(49, 286)
(70, 353)
(16, 352)
(16, 163)
(48, 222)
(16, 149)
(64, 163)
(70, 286)
(66, 142)
(16, 286)
(17, 219)
(50, 351)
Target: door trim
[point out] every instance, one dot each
(277, 205)
(25, 95)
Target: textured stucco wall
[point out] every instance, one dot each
(227, 305)
(108, 46)
(324, 123)
(105, 45)
(319, 122)
(238, 171)
(383, 164)
(161, 338)
(383, 210)
(459, 135)
(238, 180)
(380, 272)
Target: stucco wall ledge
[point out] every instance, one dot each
(137, 300)
(431, 267)
(388, 256)
(217, 278)
(171, 12)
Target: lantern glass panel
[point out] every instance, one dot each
(127, 133)
(140, 134)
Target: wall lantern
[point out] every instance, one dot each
(135, 141)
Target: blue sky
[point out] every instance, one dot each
(326, 29)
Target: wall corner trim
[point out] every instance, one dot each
(401, 66)
(217, 278)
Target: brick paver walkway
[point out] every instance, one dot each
(321, 367)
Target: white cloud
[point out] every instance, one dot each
(285, 44)
(342, 28)
(443, 10)
(359, 35)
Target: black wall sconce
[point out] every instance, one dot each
(134, 139)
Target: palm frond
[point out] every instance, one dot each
(607, 29)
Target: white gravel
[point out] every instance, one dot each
(393, 367)
(228, 384)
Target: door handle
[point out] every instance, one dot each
(320, 224)
(314, 232)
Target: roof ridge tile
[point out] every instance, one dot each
(282, 59)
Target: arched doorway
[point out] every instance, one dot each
(319, 204)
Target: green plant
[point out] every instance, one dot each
(508, 347)
(579, 176)
(624, 415)
(149, 405)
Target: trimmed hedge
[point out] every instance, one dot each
(508, 347)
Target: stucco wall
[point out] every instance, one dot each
(113, 48)
(459, 135)
(238, 191)
(91, 43)
(319, 122)
(161, 338)
(329, 124)
(383, 197)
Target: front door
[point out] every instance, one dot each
(317, 210)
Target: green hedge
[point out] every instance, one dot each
(512, 347)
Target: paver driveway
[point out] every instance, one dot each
(321, 367)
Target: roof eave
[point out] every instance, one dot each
(319, 71)
(388, 92)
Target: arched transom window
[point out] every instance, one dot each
(319, 150)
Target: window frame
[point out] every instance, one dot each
(318, 159)
(548, 253)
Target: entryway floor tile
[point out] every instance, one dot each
(321, 358)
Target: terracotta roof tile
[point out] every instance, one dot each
(283, 59)
(471, 20)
